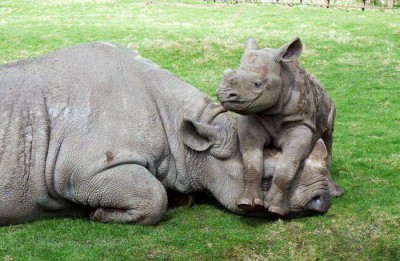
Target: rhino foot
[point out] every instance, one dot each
(250, 205)
(277, 202)
(278, 211)
(249, 202)
(258, 203)
(245, 204)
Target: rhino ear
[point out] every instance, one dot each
(251, 44)
(291, 52)
(319, 152)
(197, 135)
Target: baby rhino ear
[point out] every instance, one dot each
(291, 52)
(251, 44)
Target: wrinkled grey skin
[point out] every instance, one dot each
(315, 170)
(289, 110)
(96, 129)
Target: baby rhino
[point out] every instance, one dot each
(286, 109)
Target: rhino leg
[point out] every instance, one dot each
(327, 137)
(296, 145)
(124, 194)
(252, 139)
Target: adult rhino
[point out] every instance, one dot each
(97, 129)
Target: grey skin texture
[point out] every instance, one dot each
(281, 106)
(97, 131)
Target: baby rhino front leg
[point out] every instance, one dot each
(296, 144)
(252, 138)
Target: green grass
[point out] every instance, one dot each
(355, 54)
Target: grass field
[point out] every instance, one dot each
(357, 57)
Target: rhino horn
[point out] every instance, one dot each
(319, 152)
(251, 44)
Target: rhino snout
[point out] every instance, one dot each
(224, 95)
(231, 96)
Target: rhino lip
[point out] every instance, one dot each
(233, 102)
(229, 102)
(234, 106)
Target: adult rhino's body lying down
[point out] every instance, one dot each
(95, 128)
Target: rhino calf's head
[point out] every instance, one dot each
(257, 84)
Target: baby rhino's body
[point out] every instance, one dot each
(282, 107)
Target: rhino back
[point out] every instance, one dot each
(306, 100)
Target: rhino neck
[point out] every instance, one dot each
(173, 98)
(291, 95)
(189, 170)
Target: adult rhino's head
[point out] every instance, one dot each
(309, 193)
(214, 163)
(257, 84)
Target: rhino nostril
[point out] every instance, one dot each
(232, 96)
(317, 200)
(320, 204)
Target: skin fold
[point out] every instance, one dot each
(282, 107)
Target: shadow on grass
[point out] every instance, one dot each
(257, 221)
(179, 200)
(176, 200)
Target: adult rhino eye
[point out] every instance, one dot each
(257, 84)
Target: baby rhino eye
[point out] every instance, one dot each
(257, 84)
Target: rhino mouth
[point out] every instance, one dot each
(237, 106)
